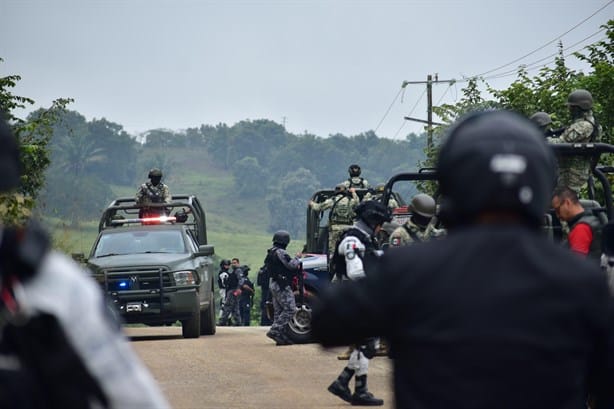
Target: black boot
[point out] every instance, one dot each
(362, 396)
(340, 386)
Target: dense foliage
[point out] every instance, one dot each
(269, 166)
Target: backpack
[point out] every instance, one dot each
(342, 211)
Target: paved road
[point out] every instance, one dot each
(242, 368)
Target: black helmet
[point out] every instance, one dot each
(373, 213)
(423, 204)
(354, 170)
(281, 238)
(541, 119)
(224, 262)
(495, 160)
(580, 98)
(10, 165)
(155, 173)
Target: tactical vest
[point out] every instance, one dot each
(360, 185)
(342, 212)
(154, 193)
(338, 262)
(278, 271)
(596, 226)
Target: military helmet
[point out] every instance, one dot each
(155, 173)
(541, 119)
(495, 160)
(380, 188)
(354, 170)
(423, 204)
(373, 213)
(340, 188)
(10, 165)
(580, 98)
(224, 262)
(282, 238)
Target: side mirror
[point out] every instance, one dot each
(205, 250)
(78, 257)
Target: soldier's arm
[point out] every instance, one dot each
(289, 263)
(166, 194)
(578, 132)
(318, 207)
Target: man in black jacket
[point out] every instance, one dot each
(494, 315)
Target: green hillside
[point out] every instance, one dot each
(236, 227)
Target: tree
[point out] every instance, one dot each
(33, 135)
(288, 203)
(249, 177)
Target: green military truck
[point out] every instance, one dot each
(156, 266)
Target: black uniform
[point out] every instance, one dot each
(473, 326)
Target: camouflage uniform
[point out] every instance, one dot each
(411, 232)
(356, 182)
(283, 269)
(574, 171)
(233, 292)
(148, 193)
(341, 218)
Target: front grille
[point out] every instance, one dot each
(131, 279)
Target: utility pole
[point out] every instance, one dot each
(429, 111)
(429, 105)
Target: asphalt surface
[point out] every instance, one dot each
(239, 367)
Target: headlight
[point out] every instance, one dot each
(184, 277)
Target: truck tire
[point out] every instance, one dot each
(299, 327)
(207, 319)
(190, 328)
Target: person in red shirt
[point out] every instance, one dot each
(584, 227)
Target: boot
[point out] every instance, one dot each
(340, 386)
(283, 338)
(362, 396)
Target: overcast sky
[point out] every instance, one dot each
(321, 66)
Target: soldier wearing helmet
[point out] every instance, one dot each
(418, 227)
(377, 193)
(153, 191)
(574, 171)
(354, 259)
(282, 269)
(341, 215)
(459, 312)
(355, 180)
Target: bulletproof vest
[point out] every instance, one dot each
(338, 261)
(154, 192)
(278, 271)
(596, 226)
(357, 182)
(233, 280)
(342, 212)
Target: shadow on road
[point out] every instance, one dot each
(136, 338)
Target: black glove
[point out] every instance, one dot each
(369, 348)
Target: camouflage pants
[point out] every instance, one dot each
(334, 233)
(283, 305)
(231, 308)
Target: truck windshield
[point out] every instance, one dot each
(121, 243)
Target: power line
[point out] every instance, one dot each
(548, 43)
(538, 62)
(389, 108)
